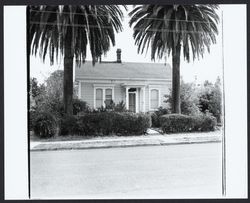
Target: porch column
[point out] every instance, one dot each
(103, 97)
(144, 99)
(137, 100)
(127, 98)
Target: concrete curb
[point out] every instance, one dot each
(124, 146)
(122, 143)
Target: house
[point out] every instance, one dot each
(141, 86)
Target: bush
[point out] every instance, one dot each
(69, 125)
(119, 107)
(157, 114)
(189, 102)
(80, 106)
(32, 117)
(96, 123)
(51, 105)
(205, 123)
(45, 125)
(210, 99)
(131, 123)
(119, 123)
(173, 123)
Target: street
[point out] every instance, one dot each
(173, 171)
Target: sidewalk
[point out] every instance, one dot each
(153, 138)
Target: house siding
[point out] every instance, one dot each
(87, 93)
(119, 93)
(164, 91)
(146, 99)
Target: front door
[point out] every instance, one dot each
(132, 102)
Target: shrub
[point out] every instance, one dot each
(80, 106)
(110, 122)
(173, 123)
(210, 99)
(205, 123)
(86, 124)
(109, 104)
(189, 102)
(51, 105)
(131, 123)
(120, 107)
(97, 123)
(32, 117)
(144, 122)
(100, 109)
(176, 123)
(155, 116)
(45, 125)
(69, 125)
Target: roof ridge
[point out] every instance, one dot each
(124, 70)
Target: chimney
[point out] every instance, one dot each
(118, 54)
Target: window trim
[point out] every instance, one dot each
(103, 87)
(101, 94)
(159, 96)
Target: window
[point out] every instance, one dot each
(108, 97)
(154, 100)
(99, 98)
(103, 95)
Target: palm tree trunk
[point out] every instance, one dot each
(68, 74)
(176, 107)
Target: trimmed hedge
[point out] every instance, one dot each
(80, 106)
(130, 123)
(68, 125)
(155, 116)
(173, 123)
(107, 123)
(45, 125)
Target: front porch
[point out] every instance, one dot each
(135, 96)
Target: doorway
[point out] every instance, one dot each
(132, 101)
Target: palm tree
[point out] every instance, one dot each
(66, 31)
(170, 28)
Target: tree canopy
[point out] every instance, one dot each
(87, 24)
(168, 29)
(163, 27)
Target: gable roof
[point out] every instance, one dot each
(129, 70)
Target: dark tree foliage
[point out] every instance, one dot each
(67, 30)
(170, 29)
(210, 99)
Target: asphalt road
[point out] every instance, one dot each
(176, 171)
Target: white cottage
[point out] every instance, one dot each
(141, 86)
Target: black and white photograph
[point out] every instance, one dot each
(130, 101)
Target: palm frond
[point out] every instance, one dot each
(167, 26)
(97, 26)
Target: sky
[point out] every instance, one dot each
(207, 68)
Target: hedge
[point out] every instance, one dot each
(68, 125)
(155, 116)
(173, 123)
(107, 123)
